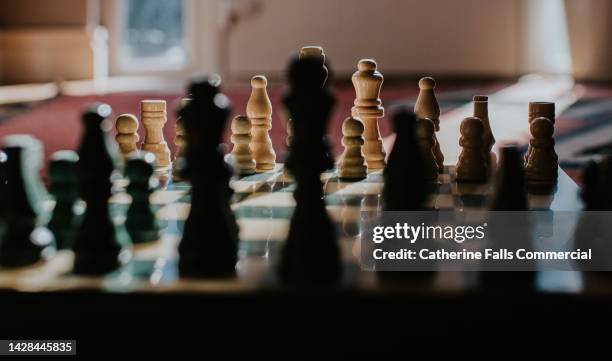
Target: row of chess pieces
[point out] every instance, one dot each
(253, 152)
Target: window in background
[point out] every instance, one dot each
(153, 35)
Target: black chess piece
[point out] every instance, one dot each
(510, 205)
(23, 242)
(140, 221)
(511, 185)
(96, 244)
(605, 174)
(209, 247)
(406, 188)
(590, 192)
(63, 185)
(593, 230)
(311, 254)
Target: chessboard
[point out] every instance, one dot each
(263, 204)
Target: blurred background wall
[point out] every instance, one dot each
(43, 40)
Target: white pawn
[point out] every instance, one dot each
(127, 133)
(259, 111)
(352, 164)
(471, 165)
(542, 165)
(241, 153)
(426, 106)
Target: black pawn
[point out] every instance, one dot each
(590, 193)
(511, 185)
(510, 205)
(594, 229)
(406, 187)
(22, 200)
(209, 247)
(63, 185)
(140, 222)
(96, 246)
(311, 254)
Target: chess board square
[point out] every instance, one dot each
(259, 229)
(471, 201)
(178, 186)
(442, 201)
(367, 200)
(540, 202)
(264, 212)
(157, 197)
(174, 211)
(343, 188)
(277, 199)
(242, 186)
(470, 188)
(444, 178)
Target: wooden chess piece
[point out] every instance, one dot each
(153, 118)
(542, 167)
(179, 143)
(542, 109)
(481, 111)
(471, 166)
(127, 133)
(426, 106)
(259, 111)
(241, 138)
(64, 186)
(352, 164)
(425, 139)
(367, 81)
(537, 110)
